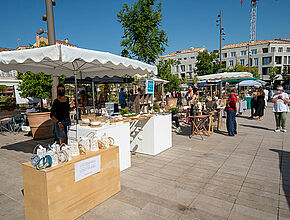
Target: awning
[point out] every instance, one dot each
(63, 60)
(99, 80)
(249, 83)
(225, 76)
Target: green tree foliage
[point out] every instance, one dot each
(242, 68)
(142, 38)
(164, 72)
(207, 63)
(273, 74)
(36, 85)
(3, 88)
(286, 75)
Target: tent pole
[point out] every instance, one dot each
(93, 89)
(76, 101)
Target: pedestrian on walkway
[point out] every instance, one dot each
(260, 104)
(254, 102)
(231, 110)
(280, 109)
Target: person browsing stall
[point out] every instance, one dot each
(60, 114)
(231, 110)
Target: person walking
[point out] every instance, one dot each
(60, 114)
(122, 98)
(260, 104)
(266, 92)
(280, 109)
(231, 110)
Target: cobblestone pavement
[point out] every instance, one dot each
(242, 177)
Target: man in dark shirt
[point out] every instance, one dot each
(231, 109)
(60, 114)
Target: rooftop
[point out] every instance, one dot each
(258, 42)
(184, 51)
(5, 49)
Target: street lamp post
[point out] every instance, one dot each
(222, 34)
(50, 21)
(51, 37)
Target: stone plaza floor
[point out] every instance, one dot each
(242, 177)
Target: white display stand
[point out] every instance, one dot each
(151, 136)
(120, 132)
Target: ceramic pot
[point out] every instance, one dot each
(41, 125)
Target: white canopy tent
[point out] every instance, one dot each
(249, 83)
(225, 76)
(59, 60)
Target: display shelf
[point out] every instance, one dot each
(54, 193)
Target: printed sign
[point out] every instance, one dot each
(150, 87)
(87, 167)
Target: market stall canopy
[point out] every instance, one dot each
(156, 80)
(225, 76)
(99, 80)
(262, 82)
(237, 80)
(249, 83)
(63, 60)
(9, 82)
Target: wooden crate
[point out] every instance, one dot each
(53, 193)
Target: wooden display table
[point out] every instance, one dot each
(64, 191)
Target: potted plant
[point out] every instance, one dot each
(37, 86)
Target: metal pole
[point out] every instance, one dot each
(50, 22)
(93, 89)
(220, 38)
(51, 40)
(76, 101)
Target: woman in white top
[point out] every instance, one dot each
(280, 109)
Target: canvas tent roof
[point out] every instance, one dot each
(225, 76)
(63, 60)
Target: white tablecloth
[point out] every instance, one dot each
(120, 132)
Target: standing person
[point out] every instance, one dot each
(254, 102)
(122, 98)
(231, 109)
(179, 98)
(266, 92)
(260, 104)
(189, 95)
(60, 114)
(280, 109)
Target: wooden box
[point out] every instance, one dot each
(53, 193)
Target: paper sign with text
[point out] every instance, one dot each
(87, 167)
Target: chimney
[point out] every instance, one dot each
(66, 40)
(37, 41)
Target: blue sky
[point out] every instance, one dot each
(93, 24)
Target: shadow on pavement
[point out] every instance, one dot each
(246, 117)
(255, 126)
(284, 165)
(27, 146)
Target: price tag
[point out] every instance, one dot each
(87, 167)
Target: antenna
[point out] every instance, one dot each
(18, 42)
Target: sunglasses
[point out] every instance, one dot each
(61, 90)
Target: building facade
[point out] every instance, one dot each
(187, 59)
(263, 54)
